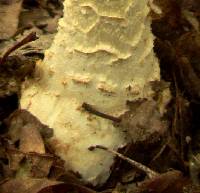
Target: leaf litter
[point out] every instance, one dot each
(9, 17)
(166, 143)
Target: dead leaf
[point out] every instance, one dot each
(9, 13)
(40, 164)
(192, 5)
(13, 73)
(35, 166)
(170, 26)
(169, 182)
(187, 63)
(14, 158)
(41, 17)
(32, 17)
(21, 118)
(28, 155)
(31, 140)
(67, 188)
(37, 47)
(42, 186)
(57, 169)
(2, 148)
(141, 127)
(30, 165)
(26, 185)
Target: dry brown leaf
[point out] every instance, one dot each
(141, 127)
(193, 5)
(21, 118)
(9, 13)
(40, 18)
(14, 157)
(26, 185)
(37, 47)
(187, 63)
(26, 130)
(40, 164)
(169, 182)
(25, 148)
(42, 186)
(32, 17)
(31, 140)
(13, 73)
(67, 188)
(2, 148)
(35, 166)
(29, 165)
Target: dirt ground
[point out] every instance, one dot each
(171, 153)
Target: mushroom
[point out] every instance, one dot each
(102, 55)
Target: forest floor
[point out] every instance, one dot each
(173, 155)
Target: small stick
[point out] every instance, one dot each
(31, 37)
(91, 109)
(160, 152)
(150, 173)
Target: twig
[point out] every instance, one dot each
(178, 116)
(4, 181)
(91, 109)
(160, 152)
(31, 37)
(150, 173)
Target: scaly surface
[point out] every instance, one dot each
(102, 55)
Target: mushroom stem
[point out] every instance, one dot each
(102, 55)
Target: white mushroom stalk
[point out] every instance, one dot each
(102, 55)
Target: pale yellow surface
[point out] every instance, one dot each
(101, 55)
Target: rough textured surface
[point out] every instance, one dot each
(102, 55)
